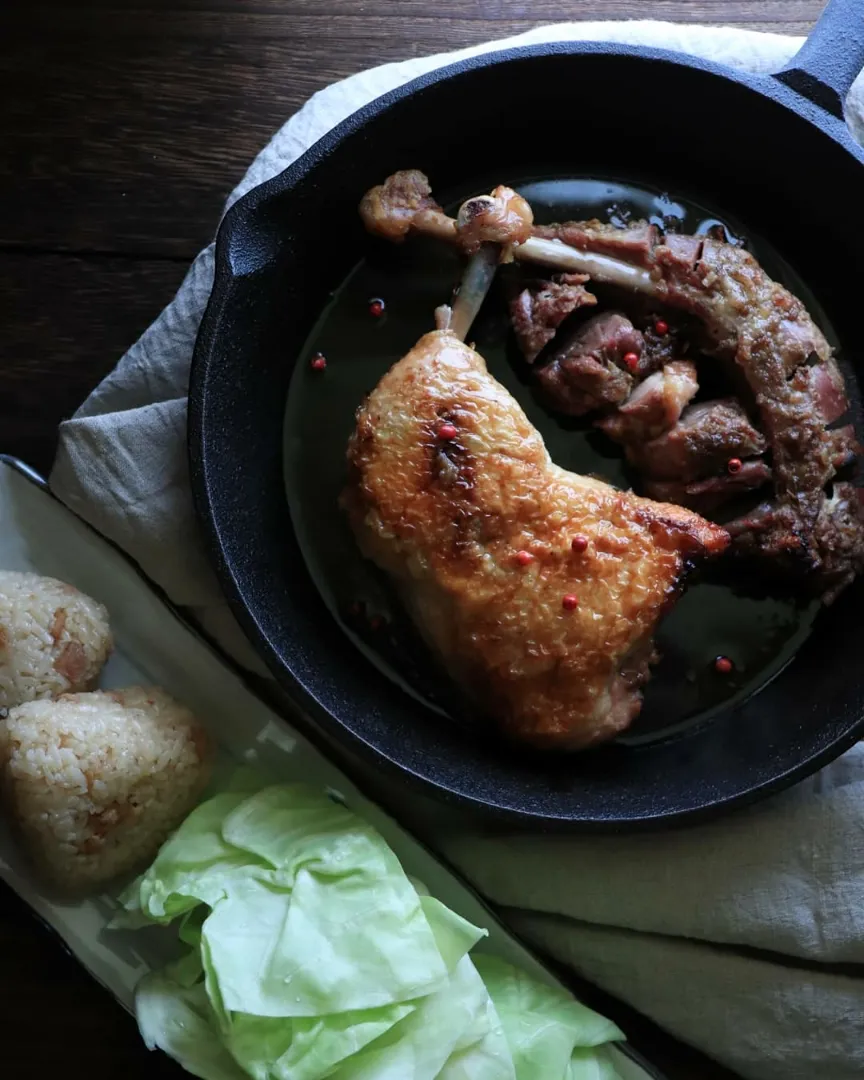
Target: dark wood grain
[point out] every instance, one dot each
(65, 322)
(123, 127)
(56, 1020)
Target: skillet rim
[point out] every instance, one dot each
(320, 723)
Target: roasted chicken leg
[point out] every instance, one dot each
(539, 589)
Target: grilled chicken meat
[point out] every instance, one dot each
(589, 371)
(709, 494)
(808, 528)
(539, 309)
(701, 443)
(654, 406)
(452, 492)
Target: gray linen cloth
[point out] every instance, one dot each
(740, 937)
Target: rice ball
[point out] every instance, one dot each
(53, 638)
(97, 781)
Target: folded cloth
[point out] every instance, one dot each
(741, 936)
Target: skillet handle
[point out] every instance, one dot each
(830, 59)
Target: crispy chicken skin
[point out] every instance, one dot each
(448, 483)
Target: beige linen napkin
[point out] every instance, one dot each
(742, 937)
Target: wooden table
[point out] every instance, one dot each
(124, 125)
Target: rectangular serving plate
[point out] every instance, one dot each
(155, 646)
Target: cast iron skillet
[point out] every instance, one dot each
(772, 150)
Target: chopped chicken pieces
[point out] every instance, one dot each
(703, 441)
(589, 371)
(654, 406)
(540, 308)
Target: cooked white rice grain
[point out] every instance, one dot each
(97, 781)
(53, 638)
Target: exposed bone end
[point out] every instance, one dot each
(443, 317)
(390, 209)
(500, 218)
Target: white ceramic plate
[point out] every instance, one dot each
(154, 645)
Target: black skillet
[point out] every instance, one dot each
(772, 152)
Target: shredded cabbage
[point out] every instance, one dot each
(310, 954)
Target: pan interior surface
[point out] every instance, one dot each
(742, 144)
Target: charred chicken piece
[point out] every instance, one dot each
(539, 309)
(686, 453)
(654, 406)
(798, 388)
(835, 534)
(589, 371)
(448, 484)
(706, 496)
(659, 349)
(703, 441)
(845, 447)
(822, 384)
